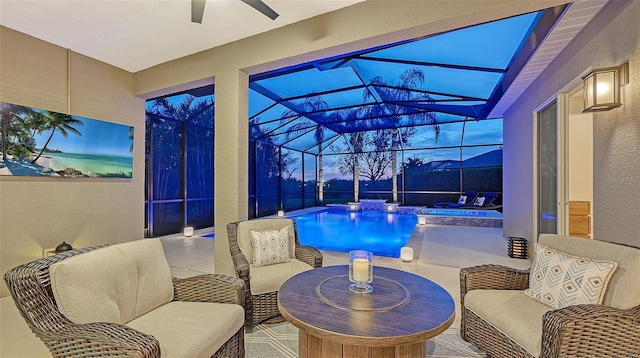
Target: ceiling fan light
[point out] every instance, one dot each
(197, 10)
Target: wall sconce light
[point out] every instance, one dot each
(601, 88)
(389, 207)
(422, 220)
(188, 231)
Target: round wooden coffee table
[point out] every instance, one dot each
(395, 320)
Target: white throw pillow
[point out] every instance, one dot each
(479, 201)
(270, 246)
(559, 280)
(463, 199)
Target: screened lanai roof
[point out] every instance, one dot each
(435, 85)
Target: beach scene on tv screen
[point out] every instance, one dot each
(37, 142)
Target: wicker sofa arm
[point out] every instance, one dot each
(99, 339)
(309, 255)
(591, 331)
(209, 288)
(492, 277)
(241, 265)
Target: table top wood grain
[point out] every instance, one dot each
(402, 309)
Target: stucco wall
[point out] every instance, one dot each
(40, 213)
(610, 39)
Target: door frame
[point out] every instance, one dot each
(561, 97)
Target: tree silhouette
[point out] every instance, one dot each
(167, 134)
(314, 114)
(350, 163)
(396, 104)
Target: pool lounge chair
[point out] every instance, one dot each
(466, 198)
(484, 201)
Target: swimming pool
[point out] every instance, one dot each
(381, 233)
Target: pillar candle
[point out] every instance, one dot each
(361, 270)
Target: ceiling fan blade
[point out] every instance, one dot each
(262, 7)
(197, 10)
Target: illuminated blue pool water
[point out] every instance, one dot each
(381, 233)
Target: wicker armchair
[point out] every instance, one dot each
(263, 306)
(31, 288)
(585, 330)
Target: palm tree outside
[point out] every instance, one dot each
(313, 106)
(394, 108)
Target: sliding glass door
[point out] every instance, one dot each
(547, 214)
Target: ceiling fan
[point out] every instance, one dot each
(197, 9)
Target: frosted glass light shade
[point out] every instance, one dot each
(601, 88)
(406, 254)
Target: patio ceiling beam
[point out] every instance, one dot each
(467, 111)
(271, 131)
(463, 97)
(288, 104)
(337, 90)
(432, 64)
(251, 118)
(331, 139)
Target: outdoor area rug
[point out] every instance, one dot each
(281, 340)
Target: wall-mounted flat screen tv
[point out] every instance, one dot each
(37, 142)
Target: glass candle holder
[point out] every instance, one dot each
(360, 271)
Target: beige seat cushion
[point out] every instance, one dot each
(113, 284)
(269, 278)
(513, 313)
(191, 329)
(244, 234)
(623, 290)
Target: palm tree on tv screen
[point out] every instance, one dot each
(11, 121)
(63, 123)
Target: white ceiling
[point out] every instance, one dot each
(138, 34)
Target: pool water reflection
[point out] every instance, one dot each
(381, 233)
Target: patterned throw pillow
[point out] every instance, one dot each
(463, 199)
(270, 246)
(559, 280)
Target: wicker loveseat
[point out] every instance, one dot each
(500, 319)
(262, 283)
(120, 300)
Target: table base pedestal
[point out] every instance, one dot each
(311, 346)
